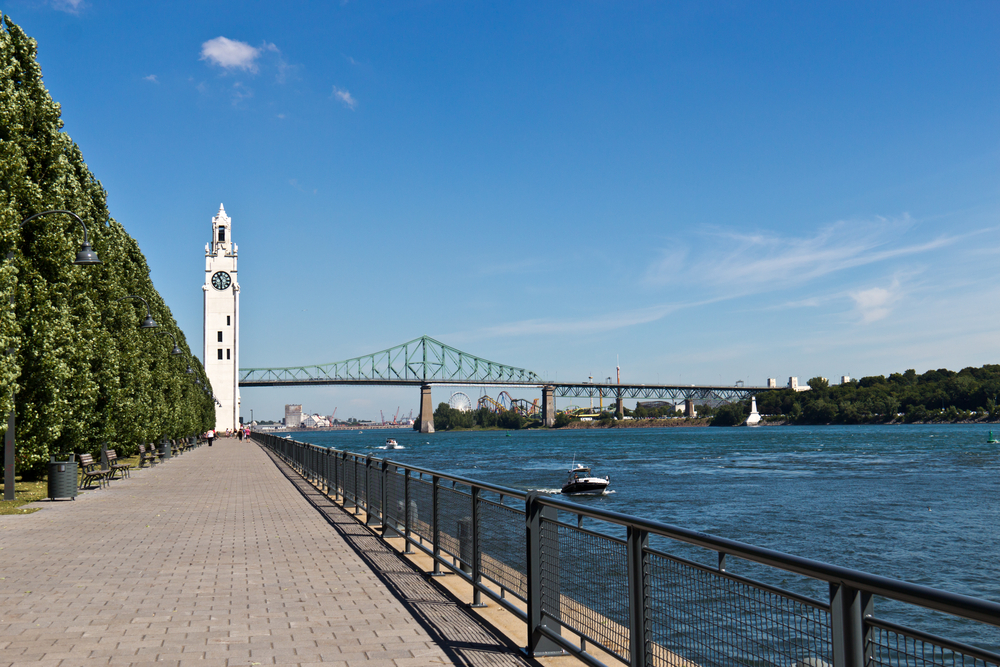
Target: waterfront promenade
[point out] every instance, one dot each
(222, 557)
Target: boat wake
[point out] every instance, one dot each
(387, 447)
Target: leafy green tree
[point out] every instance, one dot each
(731, 414)
(82, 373)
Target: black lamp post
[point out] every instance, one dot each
(85, 256)
(176, 352)
(147, 322)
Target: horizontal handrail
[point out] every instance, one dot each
(895, 589)
(362, 480)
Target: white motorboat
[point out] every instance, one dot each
(581, 482)
(390, 443)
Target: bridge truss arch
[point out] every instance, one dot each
(420, 361)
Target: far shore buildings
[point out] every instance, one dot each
(295, 419)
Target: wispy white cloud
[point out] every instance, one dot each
(69, 6)
(231, 54)
(151, 78)
(750, 263)
(240, 93)
(597, 324)
(875, 303)
(345, 97)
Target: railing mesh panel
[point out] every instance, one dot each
(455, 515)
(585, 585)
(698, 617)
(395, 503)
(504, 551)
(422, 508)
(339, 465)
(348, 479)
(375, 491)
(892, 648)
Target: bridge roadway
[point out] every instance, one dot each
(222, 556)
(426, 362)
(550, 390)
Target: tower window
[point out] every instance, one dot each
(220, 336)
(227, 320)
(222, 234)
(227, 353)
(220, 353)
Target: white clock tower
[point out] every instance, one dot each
(222, 322)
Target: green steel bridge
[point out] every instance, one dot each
(425, 362)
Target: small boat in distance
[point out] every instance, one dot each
(581, 482)
(390, 443)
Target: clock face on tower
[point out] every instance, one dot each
(221, 280)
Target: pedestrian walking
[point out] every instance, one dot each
(239, 434)
(210, 436)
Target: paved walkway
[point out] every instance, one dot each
(223, 557)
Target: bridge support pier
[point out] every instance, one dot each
(426, 409)
(619, 407)
(689, 407)
(548, 406)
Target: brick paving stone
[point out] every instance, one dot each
(222, 556)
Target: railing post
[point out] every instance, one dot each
(435, 531)
(852, 646)
(477, 596)
(540, 540)
(638, 598)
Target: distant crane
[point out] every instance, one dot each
(395, 415)
(382, 416)
(333, 415)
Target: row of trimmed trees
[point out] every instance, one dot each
(79, 370)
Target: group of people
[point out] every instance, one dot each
(241, 433)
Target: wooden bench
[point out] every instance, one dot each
(147, 455)
(115, 467)
(90, 472)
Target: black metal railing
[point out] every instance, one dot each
(635, 588)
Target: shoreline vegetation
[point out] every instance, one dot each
(938, 396)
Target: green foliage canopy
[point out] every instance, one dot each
(81, 372)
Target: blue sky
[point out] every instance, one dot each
(710, 192)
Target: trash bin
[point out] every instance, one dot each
(164, 450)
(62, 478)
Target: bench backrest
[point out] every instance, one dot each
(142, 449)
(111, 455)
(86, 460)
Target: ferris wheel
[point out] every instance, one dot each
(460, 401)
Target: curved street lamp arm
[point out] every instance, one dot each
(167, 333)
(86, 254)
(58, 210)
(176, 351)
(148, 322)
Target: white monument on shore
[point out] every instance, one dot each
(222, 322)
(754, 418)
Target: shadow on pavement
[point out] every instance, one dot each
(465, 637)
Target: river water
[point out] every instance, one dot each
(913, 502)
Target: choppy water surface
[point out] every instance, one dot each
(918, 503)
